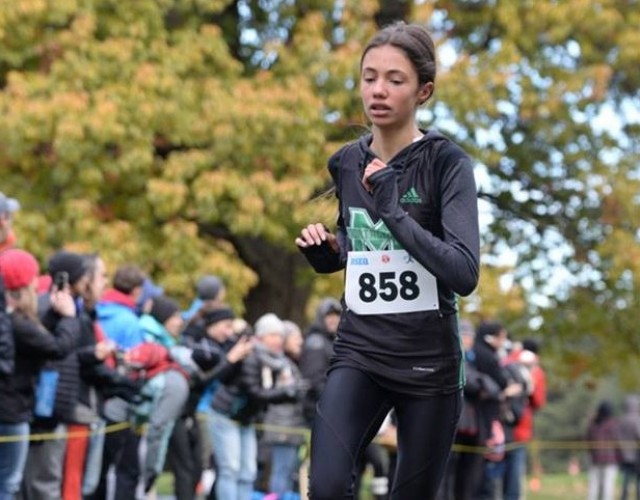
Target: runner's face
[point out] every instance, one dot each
(389, 87)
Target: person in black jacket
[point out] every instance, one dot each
(34, 345)
(240, 401)
(317, 351)
(99, 380)
(45, 463)
(215, 349)
(408, 238)
(489, 349)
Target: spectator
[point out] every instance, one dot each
(217, 353)
(45, 463)
(286, 420)
(603, 433)
(191, 439)
(163, 323)
(117, 309)
(317, 351)
(513, 407)
(8, 207)
(465, 468)
(239, 403)
(527, 356)
(166, 383)
(33, 346)
(116, 313)
(630, 446)
(491, 340)
(102, 380)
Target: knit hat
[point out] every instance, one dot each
(214, 316)
(71, 263)
(290, 327)
(163, 308)
(8, 205)
(18, 268)
(208, 287)
(269, 323)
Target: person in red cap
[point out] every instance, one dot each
(33, 346)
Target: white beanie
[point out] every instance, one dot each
(269, 323)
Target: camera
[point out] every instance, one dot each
(61, 280)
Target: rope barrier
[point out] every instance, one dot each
(303, 431)
(52, 436)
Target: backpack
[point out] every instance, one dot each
(7, 345)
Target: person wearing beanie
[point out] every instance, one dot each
(45, 463)
(19, 269)
(34, 345)
(210, 287)
(8, 207)
(269, 324)
(210, 292)
(262, 379)
(98, 378)
(284, 446)
(70, 263)
(163, 324)
(210, 318)
(217, 351)
(166, 381)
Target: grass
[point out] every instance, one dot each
(551, 487)
(559, 487)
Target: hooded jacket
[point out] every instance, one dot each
(426, 204)
(117, 316)
(316, 354)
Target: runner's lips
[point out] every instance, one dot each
(379, 109)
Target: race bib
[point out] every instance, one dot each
(388, 281)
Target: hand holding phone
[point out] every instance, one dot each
(61, 280)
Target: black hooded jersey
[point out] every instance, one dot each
(425, 203)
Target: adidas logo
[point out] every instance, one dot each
(411, 196)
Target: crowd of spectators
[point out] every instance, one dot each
(107, 382)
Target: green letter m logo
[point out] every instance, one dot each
(365, 235)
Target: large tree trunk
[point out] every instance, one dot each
(278, 289)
